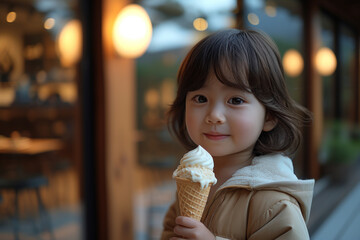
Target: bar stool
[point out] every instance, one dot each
(28, 183)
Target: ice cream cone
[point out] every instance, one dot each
(192, 198)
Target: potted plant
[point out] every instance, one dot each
(340, 150)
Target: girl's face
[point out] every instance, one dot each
(224, 120)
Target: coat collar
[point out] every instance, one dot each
(275, 172)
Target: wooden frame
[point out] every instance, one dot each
(92, 121)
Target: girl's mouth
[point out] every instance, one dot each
(215, 136)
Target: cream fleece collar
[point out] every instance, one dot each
(274, 171)
(266, 169)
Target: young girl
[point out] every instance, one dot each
(232, 101)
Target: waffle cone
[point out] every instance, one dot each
(192, 198)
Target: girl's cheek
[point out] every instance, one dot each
(191, 125)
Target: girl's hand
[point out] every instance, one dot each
(189, 228)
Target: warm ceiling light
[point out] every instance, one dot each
(270, 11)
(325, 61)
(49, 23)
(200, 24)
(69, 43)
(293, 63)
(132, 31)
(11, 17)
(253, 19)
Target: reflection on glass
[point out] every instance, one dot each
(39, 165)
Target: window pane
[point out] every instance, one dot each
(327, 40)
(347, 72)
(40, 47)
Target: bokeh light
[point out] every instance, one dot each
(11, 17)
(132, 31)
(49, 23)
(325, 61)
(293, 63)
(253, 19)
(200, 24)
(69, 43)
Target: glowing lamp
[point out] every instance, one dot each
(253, 19)
(49, 23)
(325, 61)
(11, 17)
(200, 24)
(132, 31)
(69, 43)
(293, 63)
(270, 11)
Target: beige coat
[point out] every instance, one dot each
(262, 201)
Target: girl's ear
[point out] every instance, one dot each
(270, 122)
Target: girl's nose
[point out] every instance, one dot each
(215, 116)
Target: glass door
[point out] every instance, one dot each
(40, 158)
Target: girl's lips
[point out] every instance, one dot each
(215, 136)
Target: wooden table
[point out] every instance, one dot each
(29, 146)
(20, 180)
(18, 155)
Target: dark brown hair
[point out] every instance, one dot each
(250, 61)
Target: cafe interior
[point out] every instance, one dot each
(85, 152)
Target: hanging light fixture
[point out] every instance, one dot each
(200, 24)
(11, 16)
(293, 63)
(325, 61)
(49, 23)
(132, 31)
(69, 43)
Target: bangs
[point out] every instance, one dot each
(232, 75)
(230, 61)
(227, 60)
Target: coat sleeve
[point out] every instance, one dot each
(169, 222)
(281, 220)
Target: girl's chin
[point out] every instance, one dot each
(223, 153)
(217, 152)
(214, 150)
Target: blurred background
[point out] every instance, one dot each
(84, 85)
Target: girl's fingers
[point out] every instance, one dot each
(183, 231)
(186, 222)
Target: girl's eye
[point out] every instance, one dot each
(200, 99)
(236, 101)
